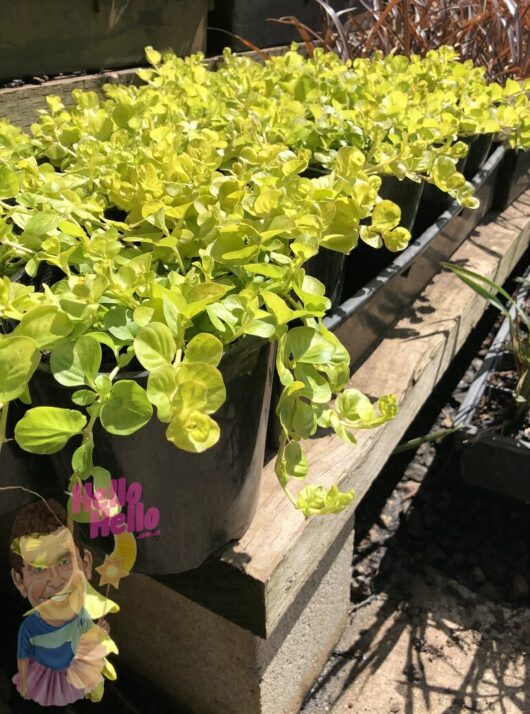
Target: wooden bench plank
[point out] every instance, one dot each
(20, 105)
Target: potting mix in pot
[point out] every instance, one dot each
(154, 250)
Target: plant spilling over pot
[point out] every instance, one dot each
(494, 35)
(155, 228)
(516, 376)
(200, 259)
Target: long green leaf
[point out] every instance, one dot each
(477, 281)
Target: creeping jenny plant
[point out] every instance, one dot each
(178, 216)
(197, 258)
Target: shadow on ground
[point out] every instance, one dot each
(437, 634)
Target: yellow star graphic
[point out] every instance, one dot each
(112, 571)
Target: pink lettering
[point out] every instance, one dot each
(117, 523)
(99, 525)
(82, 498)
(134, 493)
(152, 518)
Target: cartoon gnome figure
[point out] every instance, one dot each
(61, 652)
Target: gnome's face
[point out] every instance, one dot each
(54, 575)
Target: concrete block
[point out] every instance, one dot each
(213, 666)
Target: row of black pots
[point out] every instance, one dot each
(377, 283)
(434, 201)
(422, 206)
(495, 461)
(364, 263)
(361, 319)
(419, 202)
(514, 178)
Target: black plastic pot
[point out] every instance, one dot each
(20, 468)
(434, 202)
(205, 500)
(406, 194)
(361, 321)
(328, 267)
(364, 262)
(514, 178)
(493, 461)
(46, 274)
(478, 152)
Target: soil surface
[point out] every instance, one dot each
(440, 613)
(497, 410)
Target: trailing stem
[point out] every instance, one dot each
(3, 424)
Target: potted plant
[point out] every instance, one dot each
(494, 416)
(169, 223)
(202, 268)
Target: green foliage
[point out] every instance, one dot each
(172, 219)
(19, 358)
(45, 430)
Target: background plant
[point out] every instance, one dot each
(493, 34)
(519, 324)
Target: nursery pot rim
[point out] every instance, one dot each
(246, 343)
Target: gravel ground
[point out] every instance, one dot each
(440, 614)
